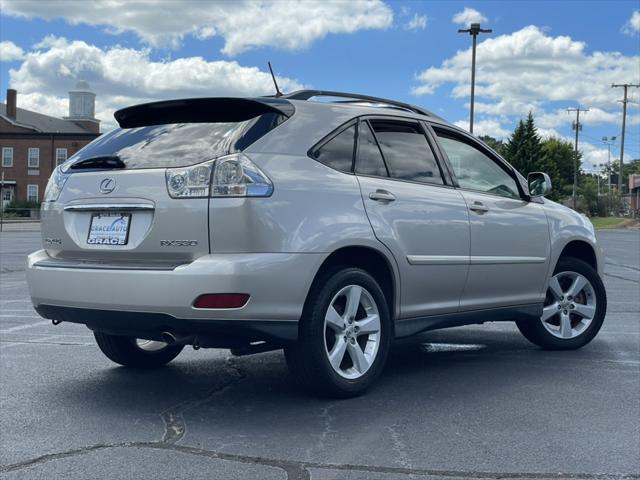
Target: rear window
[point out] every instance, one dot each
(338, 152)
(175, 144)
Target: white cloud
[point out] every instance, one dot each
(493, 128)
(417, 22)
(9, 52)
(632, 27)
(527, 70)
(592, 155)
(243, 24)
(123, 76)
(468, 16)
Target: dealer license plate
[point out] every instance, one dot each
(109, 228)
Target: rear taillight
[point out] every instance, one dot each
(55, 185)
(233, 175)
(221, 300)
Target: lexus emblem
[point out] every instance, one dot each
(107, 185)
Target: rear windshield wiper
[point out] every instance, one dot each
(111, 162)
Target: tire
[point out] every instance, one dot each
(556, 332)
(343, 334)
(128, 352)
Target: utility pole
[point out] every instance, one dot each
(577, 126)
(473, 30)
(624, 124)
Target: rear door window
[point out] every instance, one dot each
(338, 152)
(406, 151)
(370, 161)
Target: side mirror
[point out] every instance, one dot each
(539, 184)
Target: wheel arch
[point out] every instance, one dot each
(582, 251)
(378, 264)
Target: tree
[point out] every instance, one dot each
(588, 196)
(558, 162)
(527, 153)
(513, 151)
(524, 149)
(497, 145)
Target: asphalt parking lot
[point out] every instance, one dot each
(472, 402)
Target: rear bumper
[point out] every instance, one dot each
(211, 333)
(277, 283)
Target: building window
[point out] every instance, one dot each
(7, 156)
(32, 193)
(33, 158)
(61, 155)
(7, 194)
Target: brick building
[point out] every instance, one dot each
(32, 144)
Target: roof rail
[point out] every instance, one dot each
(307, 94)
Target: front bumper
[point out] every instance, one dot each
(277, 283)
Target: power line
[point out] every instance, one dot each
(624, 124)
(577, 126)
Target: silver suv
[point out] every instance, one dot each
(327, 228)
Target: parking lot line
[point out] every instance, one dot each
(24, 326)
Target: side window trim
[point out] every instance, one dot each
(330, 136)
(364, 121)
(464, 138)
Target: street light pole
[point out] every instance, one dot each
(473, 30)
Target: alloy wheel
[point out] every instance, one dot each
(352, 331)
(570, 305)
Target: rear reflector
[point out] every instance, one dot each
(221, 300)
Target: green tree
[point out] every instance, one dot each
(528, 153)
(497, 145)
(558, 162)
(524, 149)
(514, 149)
(588, 196)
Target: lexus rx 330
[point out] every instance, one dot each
(326, 228)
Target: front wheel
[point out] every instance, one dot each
(574, 308)
(344, 335)
(136, 352)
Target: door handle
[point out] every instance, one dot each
(478, 207)
(382, 196)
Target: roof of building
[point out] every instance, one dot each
(41, 123)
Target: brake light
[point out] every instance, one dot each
(221, 300)
(55, 185)
(233, 175)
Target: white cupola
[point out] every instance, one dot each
(82, 102)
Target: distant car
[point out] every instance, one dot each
(327, 228)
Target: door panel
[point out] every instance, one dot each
(510, 245)
(427, 229)
(509, 252)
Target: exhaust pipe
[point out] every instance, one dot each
(177, 339)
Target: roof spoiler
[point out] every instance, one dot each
(201, 110)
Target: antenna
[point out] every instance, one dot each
(278, 92)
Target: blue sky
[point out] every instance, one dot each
(543, 56)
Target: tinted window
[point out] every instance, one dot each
(370, 160)
(176, 144)
(338, 152)
(406, 152)
(475, 170)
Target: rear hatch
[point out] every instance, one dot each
(110, 206)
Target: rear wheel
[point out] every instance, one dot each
(136, 352)
(344, 335)
(574, 308)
